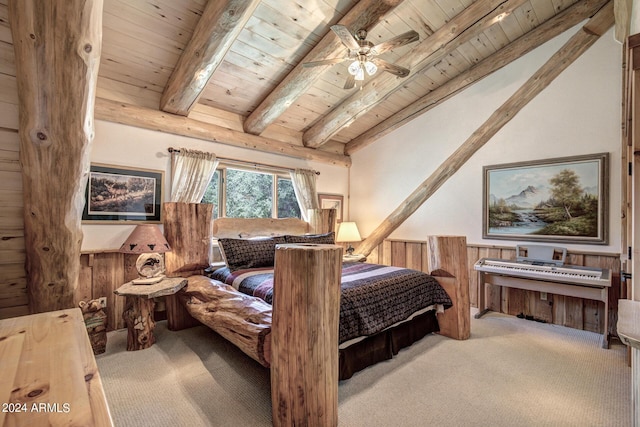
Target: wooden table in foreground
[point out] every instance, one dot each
(139, 305)
(48, 372)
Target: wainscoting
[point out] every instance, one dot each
(102, 273)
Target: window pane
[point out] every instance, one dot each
(212, 194)
(287, 203)
(249, 194)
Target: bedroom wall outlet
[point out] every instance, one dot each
(103, 302)
(543, 296)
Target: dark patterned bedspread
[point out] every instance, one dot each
(373, 297)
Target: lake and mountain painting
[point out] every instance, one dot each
(557, 200)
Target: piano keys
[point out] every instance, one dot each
(576, 275)
(553, 278)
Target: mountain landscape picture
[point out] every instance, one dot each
(555, 200)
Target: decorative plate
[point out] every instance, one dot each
(150, 265)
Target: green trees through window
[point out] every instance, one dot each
(250, 194)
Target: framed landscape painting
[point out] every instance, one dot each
(554, 200)
(116, 194)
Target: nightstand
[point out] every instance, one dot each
(139, 305)
(354, 258)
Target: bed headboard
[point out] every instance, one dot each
(188, 228)
(320, 221)
(243, 228)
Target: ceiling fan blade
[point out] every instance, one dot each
(351, 82)
(391, 68)
(345, 36)
(323, 62)
(402, 39)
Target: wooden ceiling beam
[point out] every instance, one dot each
(364, 15)
(148, 118)
(568, 53)
(57, 45)
(551, 28)
(217, 29)
(473, 20)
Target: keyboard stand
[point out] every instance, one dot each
(598, 293)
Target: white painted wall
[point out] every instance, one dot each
(579, 113)
(129, 146)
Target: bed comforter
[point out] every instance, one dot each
(373, 297)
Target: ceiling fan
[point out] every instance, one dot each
(363, 54)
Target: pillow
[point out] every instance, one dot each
(319, 239)
(249, 253)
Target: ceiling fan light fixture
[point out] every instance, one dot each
(360, 51)
(354, 68)
(370, 67)
(360, 74)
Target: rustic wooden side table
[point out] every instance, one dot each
(139, 305)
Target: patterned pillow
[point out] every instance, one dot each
(319, 239)
(249, 253)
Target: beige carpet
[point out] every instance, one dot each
(512, 372)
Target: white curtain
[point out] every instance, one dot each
(304, 186)
(191, 172)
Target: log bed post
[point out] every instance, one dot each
(448, 263)
(188, 228)
(304, 343)
(57, 48)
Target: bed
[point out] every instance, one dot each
(383, 308)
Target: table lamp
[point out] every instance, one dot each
(148, 241)
(348, 232)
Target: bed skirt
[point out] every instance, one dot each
(386, 344)
(246, 322)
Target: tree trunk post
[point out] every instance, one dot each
(304, 345)
(57, 46)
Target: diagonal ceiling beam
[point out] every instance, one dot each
(364, 15)
(217, 29)
(476, 18)
(551, 28)
(568, 53)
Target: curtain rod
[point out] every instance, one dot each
(245, 163)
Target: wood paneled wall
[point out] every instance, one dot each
(557, 309)
(102, 273)
(13, 282)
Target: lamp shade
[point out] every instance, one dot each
(348, 232)
(145, 239)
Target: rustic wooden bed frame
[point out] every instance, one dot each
(245, 320)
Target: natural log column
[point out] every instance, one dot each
(138, 315)
(449, 254)
(304, 346)
(57, 54)
(322, 221)
(188, 230)
(572, 50)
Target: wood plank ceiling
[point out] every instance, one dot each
(253, 51)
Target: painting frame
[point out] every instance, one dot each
(109, 190)
(332, 201)
(517, 205)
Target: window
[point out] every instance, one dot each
(241, 193)
(212, 195)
